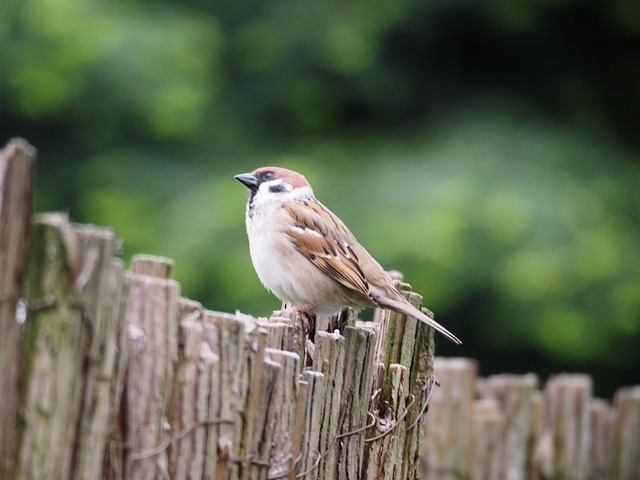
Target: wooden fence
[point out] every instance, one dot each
(109, 373)
(505, 427)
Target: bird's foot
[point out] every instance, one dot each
(303, 311)
(286, 309)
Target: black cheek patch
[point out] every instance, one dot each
(277, 188)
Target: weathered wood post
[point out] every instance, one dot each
(17, 161)
(486, 446)
(446, 446)
(355, 398)
(627, 434)
(602, 440)
(404, 384)
(567, 427)
(329, 359)
(187, 403)
(513, 395)
(151, 313)
(56, 338)
(99, 286)
(66, 410)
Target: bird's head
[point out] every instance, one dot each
(269, 184)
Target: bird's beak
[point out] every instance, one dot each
(249, 179)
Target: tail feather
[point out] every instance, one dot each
(408, 309)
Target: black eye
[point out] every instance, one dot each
(266, 176)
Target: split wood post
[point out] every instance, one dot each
(446, 443)
(259, 385)
(514, 395)
(17, 162)
(69, 289)
(568, 427)
(186, 457)
(385, 446)
(282, 414)
(225, 336)
(152, 327)
(421, 386)
(198, 339)
(404, 353)
(54, 352)
(487, 445)
(355, 398)
(98, 280)
(260, 445)
(627, 434)
(314, 400)
(537, 424)
(329, 359)
(602, 440)
(116, 357)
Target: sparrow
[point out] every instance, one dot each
(308, 258)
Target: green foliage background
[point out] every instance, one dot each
(488, 150)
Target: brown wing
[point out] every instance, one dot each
(322, 237)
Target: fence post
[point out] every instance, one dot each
(17, 162)
(446, 444)
(514, 397)
(627, 434)
(567, 399)
(187, 455)
(602, 440)
(151, 314)
(486, 445)
(404, 383)
(68, 290)
(329, 359)
(356, 395)
(98, 282)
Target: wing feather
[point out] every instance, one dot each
(323, 239)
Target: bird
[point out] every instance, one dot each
(308, 258)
